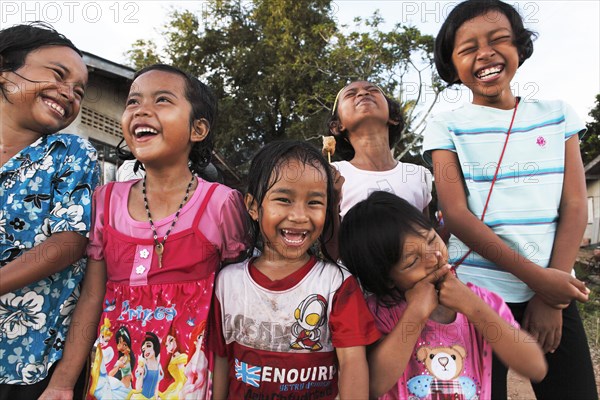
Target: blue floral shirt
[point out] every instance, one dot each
(46, 188)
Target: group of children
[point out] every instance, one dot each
(193, 291)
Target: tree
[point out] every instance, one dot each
(590, 145)
(276, 66)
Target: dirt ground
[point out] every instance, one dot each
(519, 388)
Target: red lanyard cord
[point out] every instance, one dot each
(487, 201)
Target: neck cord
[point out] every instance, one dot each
(487, 201)
(158, 246)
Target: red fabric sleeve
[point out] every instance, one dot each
(350, 321)
(216, 341)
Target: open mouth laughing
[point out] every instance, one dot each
(294, 237)
(488, 73)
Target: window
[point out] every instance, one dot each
(107, 159)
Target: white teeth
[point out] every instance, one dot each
(489, 71)
(145, 129)
(292, 241)
(56, 107)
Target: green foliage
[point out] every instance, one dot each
(276, 66)
(590, 145)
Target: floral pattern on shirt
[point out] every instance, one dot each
(44, 189)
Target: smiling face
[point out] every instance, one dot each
(156, 122)
(418, 259)
(292, 214)
(361, 101)
(122, 346)
(486, 58)
(148, 350)
(44, 95)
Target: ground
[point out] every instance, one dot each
(519, 388)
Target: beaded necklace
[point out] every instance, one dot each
(158, 246)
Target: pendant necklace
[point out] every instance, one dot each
(158, 246)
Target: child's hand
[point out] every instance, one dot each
(338, 182)
(558, 288)
(422, 298)
(454, 294)
(544, 323)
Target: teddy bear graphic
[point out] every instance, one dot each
(444, 382)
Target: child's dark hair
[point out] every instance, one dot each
(204, 105)
(18, 41)
(266, 169)
(342, 144)
(467, 10)
(372, 235)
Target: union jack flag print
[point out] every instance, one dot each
(249, 374)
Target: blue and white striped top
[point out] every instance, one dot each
(523, 208)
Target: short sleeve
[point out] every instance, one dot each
(386, 318)
(74, 181)
(234, 226)
(350, 320)
(216, 340)
(496, 303)
(95, 249)
(436, 137)
(573, 124)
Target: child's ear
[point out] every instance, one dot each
(200, 130)
(336, 128)
(251, 206)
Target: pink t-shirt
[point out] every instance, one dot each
(449, 360)
(223, 221)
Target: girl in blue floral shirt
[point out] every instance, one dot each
(46, 182)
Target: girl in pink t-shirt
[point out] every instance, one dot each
(440, 332)
(155, 247)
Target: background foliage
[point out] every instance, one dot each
(277, 65)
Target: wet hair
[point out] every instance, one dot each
(266, 169)
(18, 41)
(204, 105)
(123, 333)
(465, 11)
(372, 235)
(342, 144)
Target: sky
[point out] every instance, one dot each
(565, 63)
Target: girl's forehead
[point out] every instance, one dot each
(156, 80)
(293, 168)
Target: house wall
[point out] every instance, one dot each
(592, 231)
(100, 119)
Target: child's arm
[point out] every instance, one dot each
(556, 287)
(53, 255)
(541, 320)
(515, 348)
(82, 333)
(389, 357)
(220, 378)
(353, 372)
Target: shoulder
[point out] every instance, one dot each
(71, 141)
(341, 165)
(231, 275)
(451, 115)
(118, 188)
(234, 269)
(488, 296)
(221, 193)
